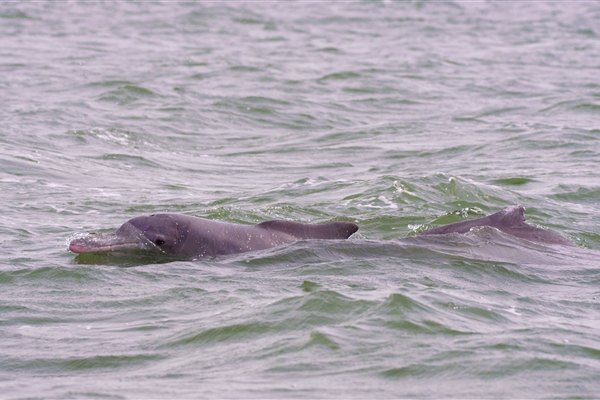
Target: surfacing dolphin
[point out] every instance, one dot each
(511, 220)
(186, 236)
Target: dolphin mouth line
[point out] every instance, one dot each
(85, 246)
(126, 238)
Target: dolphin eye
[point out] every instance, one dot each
(159, 241)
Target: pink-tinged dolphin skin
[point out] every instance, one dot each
(185, 236)
(510, 220)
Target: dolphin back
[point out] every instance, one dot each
(334, 230)
(510, 220)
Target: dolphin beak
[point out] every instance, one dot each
(126, 238)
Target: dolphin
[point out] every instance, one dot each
(511, 220)
(190, 237)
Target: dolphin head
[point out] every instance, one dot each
(164, 231)
(157, 233)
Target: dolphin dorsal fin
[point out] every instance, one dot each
(509, 217)
(511, 220)
(334, 230)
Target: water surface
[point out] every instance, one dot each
(398, 116)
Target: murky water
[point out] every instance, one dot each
(397, 116)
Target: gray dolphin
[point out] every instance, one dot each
(511, 220)
(186, 236)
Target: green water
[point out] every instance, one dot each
(398, 116)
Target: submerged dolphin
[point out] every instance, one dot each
(185, 236)
(511, 220)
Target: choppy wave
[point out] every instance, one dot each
(397, 116)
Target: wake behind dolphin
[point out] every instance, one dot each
(186, 236)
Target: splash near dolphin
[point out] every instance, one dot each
(186, 236)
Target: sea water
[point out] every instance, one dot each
(397, 116)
